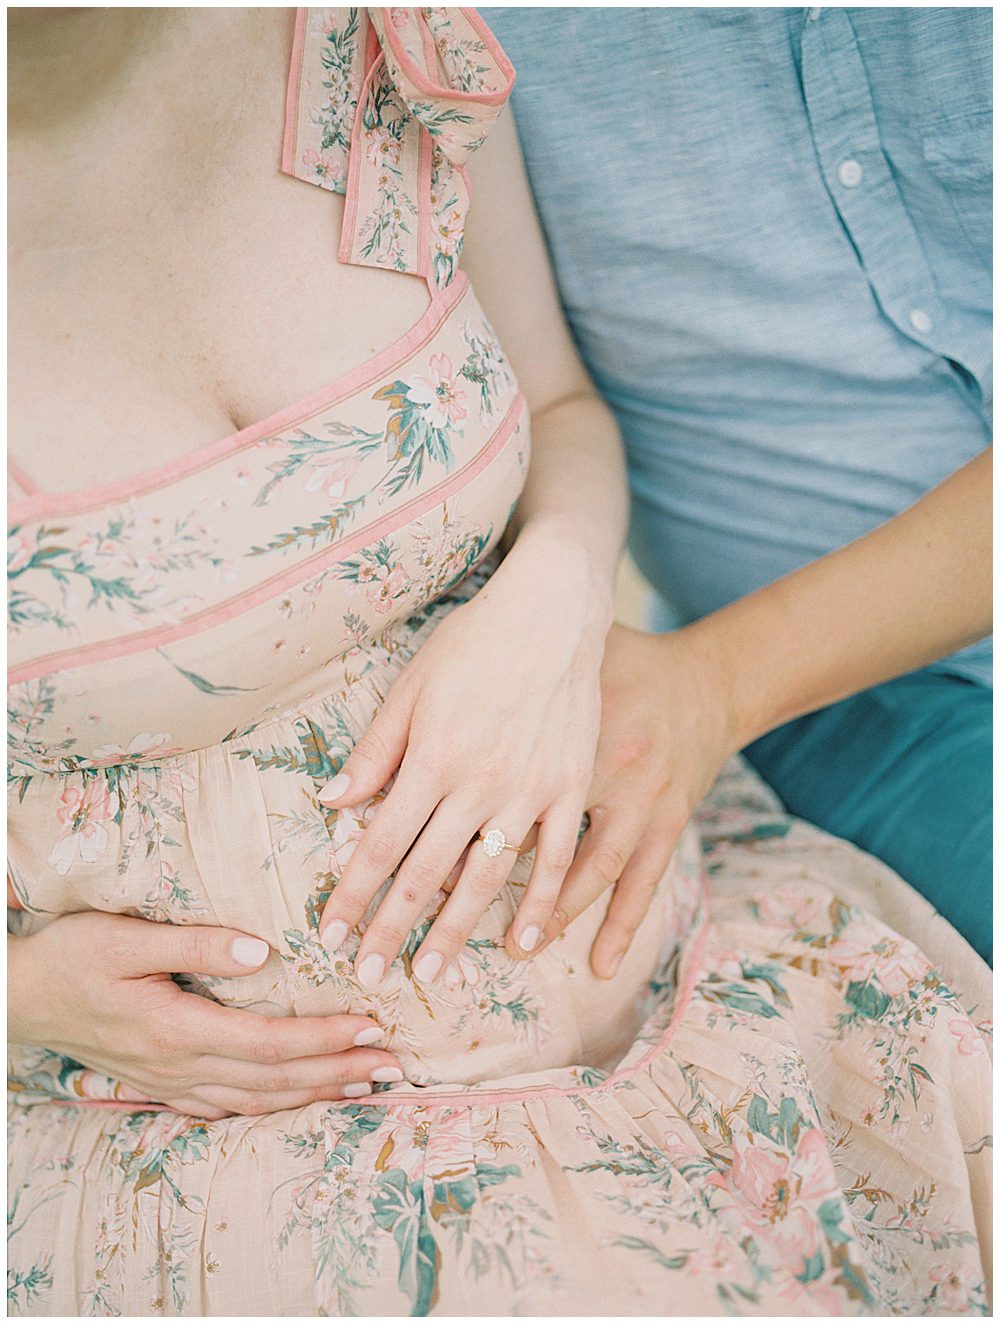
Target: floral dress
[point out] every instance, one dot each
(778, 1106)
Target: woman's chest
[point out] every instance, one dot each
(183, 296)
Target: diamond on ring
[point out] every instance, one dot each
(494, 843)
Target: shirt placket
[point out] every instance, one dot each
(864, 191)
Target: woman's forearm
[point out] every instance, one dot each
(911, 591)
(576, 485)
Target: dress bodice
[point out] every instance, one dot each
(195, 651)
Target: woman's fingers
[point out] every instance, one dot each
(333, 1071)
(418, 879)
(481, 880)
(206, 1027)
(257, 1103)
(385, 841)
(375, 757)
(557, 838)
(630, 901)
(138, 948)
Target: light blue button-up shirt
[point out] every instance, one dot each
(772, 233)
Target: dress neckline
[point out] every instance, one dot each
(79, 500)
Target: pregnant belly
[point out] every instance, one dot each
(503, 1018)
(234, 836)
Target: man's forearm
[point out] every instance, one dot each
(911, 591)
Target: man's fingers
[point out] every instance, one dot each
(630, 902)
(603, 855)
(140, 948)
(205, 1027)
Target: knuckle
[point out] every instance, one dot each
(372, 747)
(380, 851)
(483, 885)
(251, 1103)
(422, 876)
(490, 770)
(609, 861)
(385, 935)
(194, 950)
(562, 857)
(450, 937)
(560, 917)
(266, 1048)
(275, 1078)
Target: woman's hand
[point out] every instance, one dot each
(97, 988)
(666, 730)
(492, 725)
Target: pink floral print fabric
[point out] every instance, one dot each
(386, 106)
(780, 1105)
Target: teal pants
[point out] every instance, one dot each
(904, 771)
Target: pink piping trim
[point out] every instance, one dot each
(424, 206)
(73, 658)
(25, 483)
(288, 143)
(373, 57)
(74, 503)
(429, 88)
(474, 1098)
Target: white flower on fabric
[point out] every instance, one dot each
(439, 394)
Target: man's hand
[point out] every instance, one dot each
(97, 988)
(665, 734)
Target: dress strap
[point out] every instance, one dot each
(386, 106)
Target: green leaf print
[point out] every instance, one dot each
(738, 997)
(664, 1261)
(783, 1127)
(206, 686)
(868, 999)
(398, 1207)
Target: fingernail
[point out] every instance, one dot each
(356, 1091)
(528, 940)
(369, 973)
(427, 965)
(249, 951)
(452, 977)
(370, 1036)
(334, 788)
(384, 1074)
(333, 935)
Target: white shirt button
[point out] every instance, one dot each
(920, 321)
(850, 173)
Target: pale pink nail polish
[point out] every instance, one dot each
(356, 1091)
(333, 935)
(385, 1074)
(372, 1035)
(452, 977)
(249, 951)
(427, 965)
(334, 788)
(528, 940)
(370, 971)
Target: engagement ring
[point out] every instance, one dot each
(495, 843)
